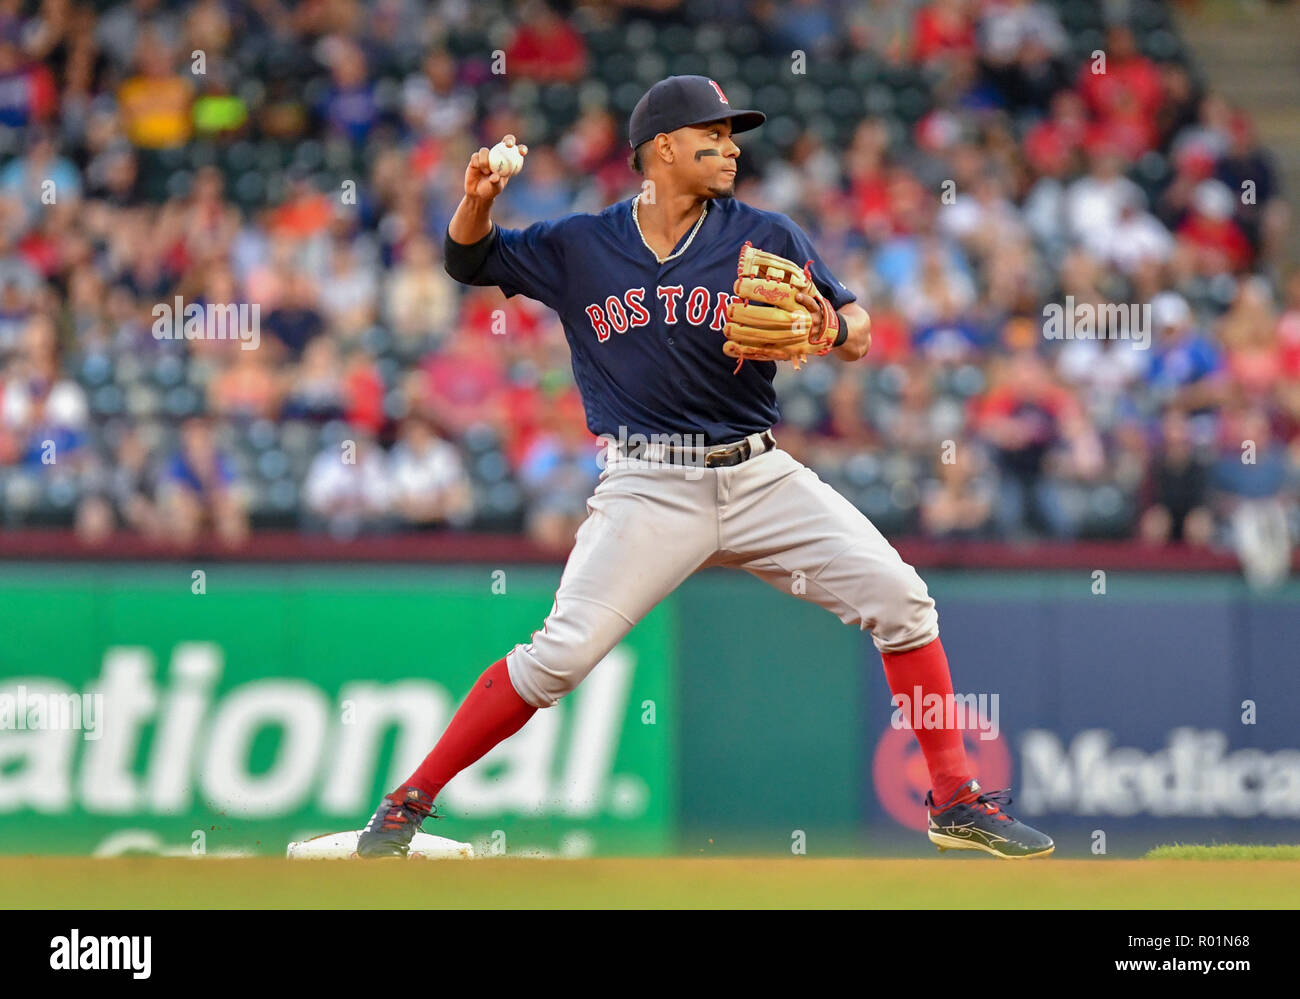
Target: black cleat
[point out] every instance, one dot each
(395, 822)
(981, 824)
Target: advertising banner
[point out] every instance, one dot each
(1156, 710)
(232, 709)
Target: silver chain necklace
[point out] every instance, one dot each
(685, 246)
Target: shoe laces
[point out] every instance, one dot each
(398, 814)
(992, 803)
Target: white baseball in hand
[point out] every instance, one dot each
(505, 159)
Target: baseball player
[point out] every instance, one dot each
(677, 305)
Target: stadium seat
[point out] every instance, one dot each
(1078, 15)
(756, 71)
(1161, 45)
(688, 63)
(490, 468)
(773, 98)
(862, 470)
(625, 97)
(799, 410)
(639, 36)
(502, 508)
(723, 67)
(559, 101)
(182, 401)
(202, 154)
(95, 370)
(481, 438)
(676, 38)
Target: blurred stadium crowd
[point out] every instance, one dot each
(959, 163)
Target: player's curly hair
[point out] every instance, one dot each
(634, 161)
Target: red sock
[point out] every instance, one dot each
(945, 755)
(492, 713)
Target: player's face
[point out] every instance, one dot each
(710, 158)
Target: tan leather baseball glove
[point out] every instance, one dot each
(765, 319)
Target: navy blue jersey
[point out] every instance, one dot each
(646, 338)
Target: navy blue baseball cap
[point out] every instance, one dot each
(685, 100)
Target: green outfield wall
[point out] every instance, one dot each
(276, 704)
(233, 710)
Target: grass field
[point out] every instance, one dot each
(59, 883)
(1224, 851)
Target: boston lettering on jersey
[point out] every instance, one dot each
(618, 315)
(646, 337)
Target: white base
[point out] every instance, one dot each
(343, 846)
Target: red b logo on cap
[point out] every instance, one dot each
(721, 96)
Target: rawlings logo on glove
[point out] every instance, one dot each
(766, 321)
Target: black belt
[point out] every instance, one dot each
(712, 456)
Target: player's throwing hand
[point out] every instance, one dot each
(481, 181)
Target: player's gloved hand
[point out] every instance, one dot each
(481, 181)
(777, 313)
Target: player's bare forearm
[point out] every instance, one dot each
(472, 220)
(858, 342)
